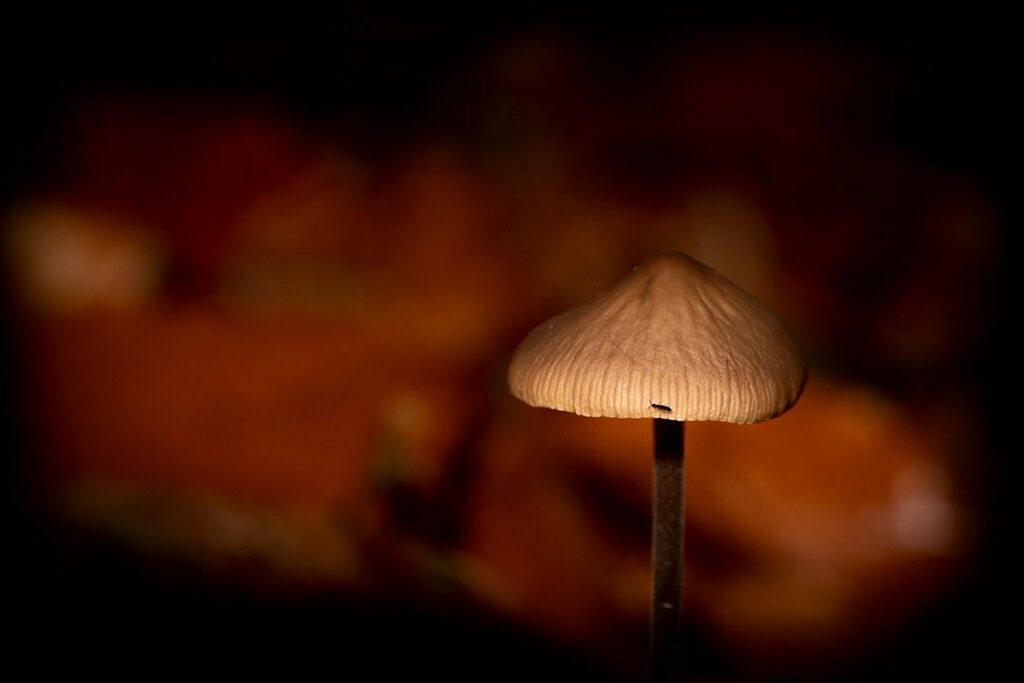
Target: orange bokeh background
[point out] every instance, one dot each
(261, 348)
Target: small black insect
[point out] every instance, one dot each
(661, 408)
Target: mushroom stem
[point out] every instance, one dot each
(667, 552)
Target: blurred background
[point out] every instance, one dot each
(263, 276)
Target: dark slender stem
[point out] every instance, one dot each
(667, 552)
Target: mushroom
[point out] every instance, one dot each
(674, 341)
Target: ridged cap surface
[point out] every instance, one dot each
(674, 340)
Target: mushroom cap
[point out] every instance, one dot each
(673, 340)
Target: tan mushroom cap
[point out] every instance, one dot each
(674, 340)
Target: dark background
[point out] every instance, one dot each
(381, 80)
